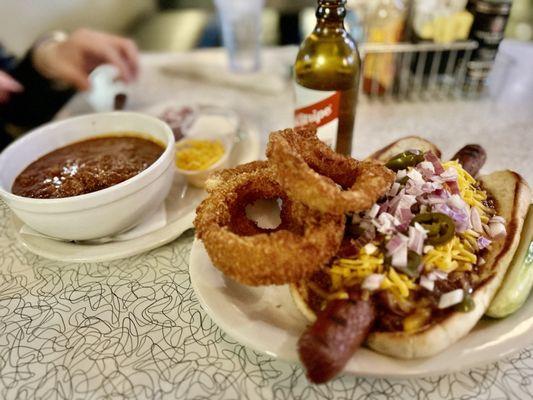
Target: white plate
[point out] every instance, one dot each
(265, 319)
(180, 206)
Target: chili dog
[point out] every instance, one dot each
(445, 306)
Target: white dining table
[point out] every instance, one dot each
(134, 328)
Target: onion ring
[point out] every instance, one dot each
(311, 172)
(304, 242)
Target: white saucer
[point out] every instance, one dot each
(266, 320)
(180, 208)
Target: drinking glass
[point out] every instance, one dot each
(241, 30)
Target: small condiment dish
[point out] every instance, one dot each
(98, 214)
(198, 177)
(212, 123)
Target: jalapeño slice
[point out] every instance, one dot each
(406, 159)
(440, 227)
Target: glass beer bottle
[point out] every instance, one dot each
(326, 73)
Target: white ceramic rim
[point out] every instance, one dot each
(372, 364)
(81, 199)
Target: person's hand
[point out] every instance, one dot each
(8, 85)
(72, 60)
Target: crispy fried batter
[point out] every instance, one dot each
(222, 176)
(311, 173)
(300, 246)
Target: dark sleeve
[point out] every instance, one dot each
(39, 101)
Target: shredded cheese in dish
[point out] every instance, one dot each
(198, 155)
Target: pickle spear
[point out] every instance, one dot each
(518, 281)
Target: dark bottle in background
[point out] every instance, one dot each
(488, 29)
(326, 73)
(490, 20)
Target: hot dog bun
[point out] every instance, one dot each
(512, 196)
(404, 144)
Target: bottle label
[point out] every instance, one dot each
(319, 107)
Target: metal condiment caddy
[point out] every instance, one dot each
(427, 71)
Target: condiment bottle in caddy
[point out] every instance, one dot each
(326, 73)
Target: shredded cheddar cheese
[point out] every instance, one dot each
(347, 272)
(454, 255)
(198, 155)
(399, 284)
(459, 254)
(470, 193)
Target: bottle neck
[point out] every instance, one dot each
(330, 15)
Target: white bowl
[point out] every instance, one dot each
(98, 214)
(212, 123)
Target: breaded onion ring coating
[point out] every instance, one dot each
(306, 241)
(312, 173)
(224, 175)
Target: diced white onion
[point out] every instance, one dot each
(427, 166)
(421, 229)
(481, 261)
(437, 274)
(372, 282)
(393, 191)
(399, 257)
(456, 201)
(451, 298)
(373, 211)
(416, 239)
(450, 174)
(475, 219)
(428, 248)
(497, 230)
(497, 218)
(386, 223)
(370, 248)
(401, 174)
(416, 176)
(427, 283)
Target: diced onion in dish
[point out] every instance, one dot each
(475, 219)
(370, 248)
(497, 230)
(427, 283)
(427, 168)
(372, 282)
(373, 212)
(428, 248)
(416, 176)
(483, 242)
(401, 174)
(437, 274)
(451, 298)
(395, 188)
(497, 218)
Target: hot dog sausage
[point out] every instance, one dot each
(340, 329)
(471, 157)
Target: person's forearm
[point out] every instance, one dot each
(40, 100)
